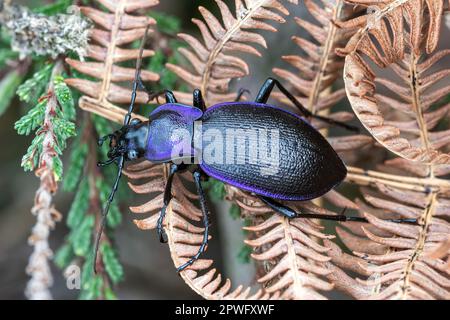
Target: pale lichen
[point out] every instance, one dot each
(34, 33)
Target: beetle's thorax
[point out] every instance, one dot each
(170, 132)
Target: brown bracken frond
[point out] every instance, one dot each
(293, 261)
(184, 237)
(388, 21)
(298, 277)
(443, 252)
(401, 35)
(319, 68)
(402, 111)
(113, 30)
(395, 260)
(214, 62)
(290, 257)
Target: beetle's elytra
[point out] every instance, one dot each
(307, 166)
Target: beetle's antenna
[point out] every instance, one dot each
(106, 209)
(126, 121)
(137, 78)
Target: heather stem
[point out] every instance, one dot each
(46, 215)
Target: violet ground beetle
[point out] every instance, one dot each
(308, 165)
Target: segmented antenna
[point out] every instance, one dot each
(137, 80)
(121, 159)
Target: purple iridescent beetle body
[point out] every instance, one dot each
(307, 165)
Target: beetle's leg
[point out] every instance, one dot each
(241, 93)
(170, 97)
(278, 207)
(150, 94)
(200, 103)
(167, 197)
(142, 86)
(290, 213)
(198, 100)
(205, 213)
(266, 90)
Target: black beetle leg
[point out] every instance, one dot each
(278, 207)
(167, 197)
(142, 86)
(198, 100)
(150, 94)
(290, 213)
(266, 90)
(170, 97)
(241, 93)
(205, 212)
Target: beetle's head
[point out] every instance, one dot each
(129, 141)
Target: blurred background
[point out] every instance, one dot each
(149, 271)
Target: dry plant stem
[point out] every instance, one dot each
(46, 215)
(370, 177)
(93, 174)
(419, 247)
(324, 60)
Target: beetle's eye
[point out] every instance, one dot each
(135, 121)
(132, 154)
